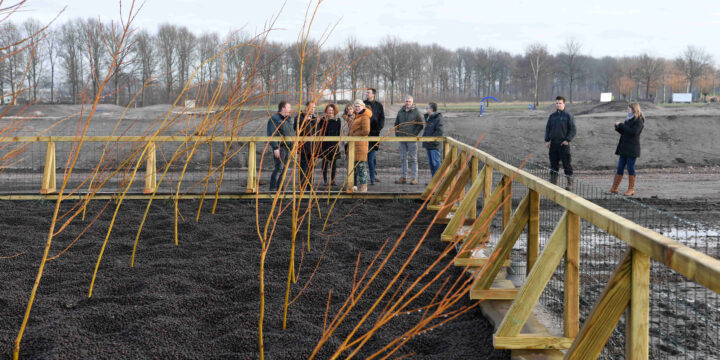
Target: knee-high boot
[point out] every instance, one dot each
(616, 184)
(631, 186)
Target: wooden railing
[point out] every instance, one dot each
(49, 186)
(628, 287)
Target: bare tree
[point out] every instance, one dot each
(391, 61)
(693, 62)
(68, 50)
(51, 46)
(145, 59)
(185, 50)
(118, 51)
(357, 60)
(650, 70)
(94, 49)
(166, 44)
(537, 55)
(572, 62)
(32, 31)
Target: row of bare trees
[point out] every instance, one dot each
(67, 61)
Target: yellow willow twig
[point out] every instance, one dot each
(112, 221)
(16, 349)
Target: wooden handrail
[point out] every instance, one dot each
(695, 265)
(217, 138)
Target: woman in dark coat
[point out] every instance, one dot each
(629, 147)
(329, 125)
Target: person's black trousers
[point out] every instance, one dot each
(561, 153)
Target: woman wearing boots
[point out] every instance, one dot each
(361, 127)
(629, 147)
(330, 126)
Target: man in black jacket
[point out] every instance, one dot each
(433, 127)
(279, 125)
(377, 122)
(559, 132)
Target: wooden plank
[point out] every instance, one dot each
(476, 262)
(504, 246)
(455, 192)
(693, 264)
(252, 168)
(466, 205)
(529, 341)
(637, 323)
(571, 318)
(488, 185)
(150, 170)
(493, 294)
(479, 229)
(350, 167)
(49, 184)
(438, 175)
(236, 196)
(438, 207)
(439, 194)
(507, 207)
(474, 165)
(533, 246)
(605, 313)
(533, 287)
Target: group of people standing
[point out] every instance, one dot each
(560, 131)
(367, 118)
(361, 118)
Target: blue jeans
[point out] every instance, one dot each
(371, 165)
(626, 161)
(433, 160)
(409, 150)
(279, 168)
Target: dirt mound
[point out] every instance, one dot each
(614, 106)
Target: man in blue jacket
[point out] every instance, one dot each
(559, 132)
(280, 124)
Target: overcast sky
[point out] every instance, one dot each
(610, 27)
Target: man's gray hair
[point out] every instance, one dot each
(409, 97)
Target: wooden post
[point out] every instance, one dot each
(48, 180)
(350, 166)
(488, 185)
(474, 166)
(532, 289)
(446, 149)
(252, 169)
(507, 207)
(572, 277)
(150, 170)
(533, 243)
(638, 319)
(605, 314)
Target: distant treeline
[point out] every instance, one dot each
(67, 62)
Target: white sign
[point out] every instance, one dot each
(682, 97)
(189, 104)
(605, 97)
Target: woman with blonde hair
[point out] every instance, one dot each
(361, 127)
(628, 147)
